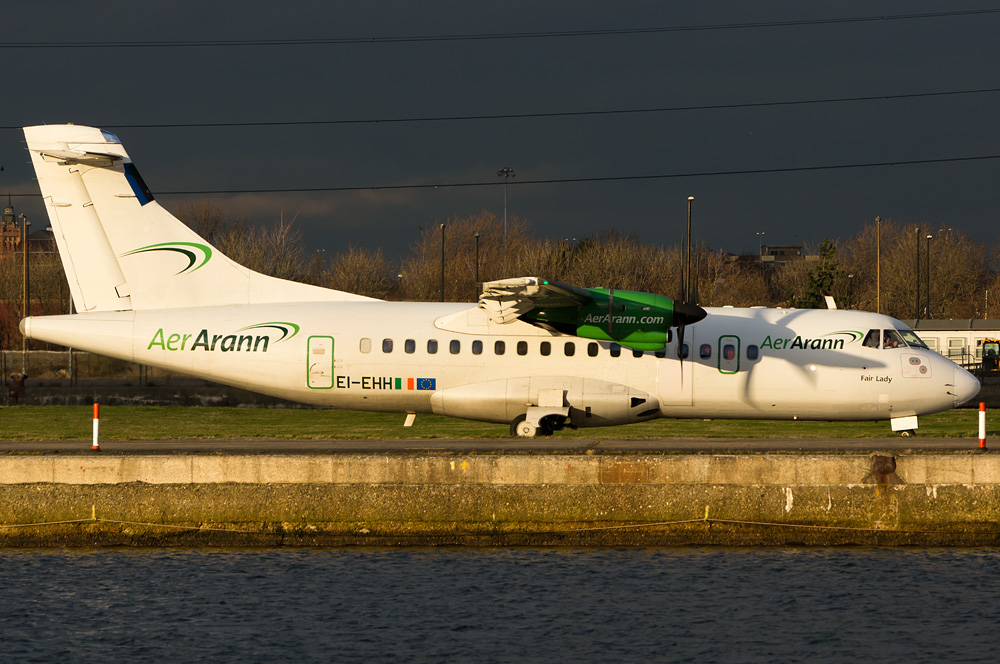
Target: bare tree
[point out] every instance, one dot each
(361, 271)
(275, 250)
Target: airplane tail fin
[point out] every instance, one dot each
(120, 249)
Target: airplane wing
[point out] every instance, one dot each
(640, 321)
(508, 299)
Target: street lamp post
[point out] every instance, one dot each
(878, 265)
(26, 295)
(506, 173)
(442, 262)
(476, 235)
(916, 278)
(687, 256)
(927, 312)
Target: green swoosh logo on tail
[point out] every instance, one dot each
(192, 250)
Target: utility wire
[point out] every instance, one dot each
(554, 181)
(609, 178)
(541, 114)
(546, 34)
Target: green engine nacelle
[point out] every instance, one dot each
(637, 320)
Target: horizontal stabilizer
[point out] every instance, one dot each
(71, 157)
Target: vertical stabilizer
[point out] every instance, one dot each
(120, 249)
(95, 279)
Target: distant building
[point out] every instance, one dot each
(10, 233)
(960, 340)
(42, 242)
(39, 242)
(782, 255)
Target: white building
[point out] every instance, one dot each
(959, 340)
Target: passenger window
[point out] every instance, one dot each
(729, 352)
(685, 351)
(661, 353)
(616, 350)
(432, 346)
(637, 353)
(409, 345)
(705, 351)
(366, 345)
(545, 348)
(752, 352)
(499, 348)
(871, 339)
(455, 346)
(387, 345)
(592, 349)
(477, 347)
(522, 347)
(569, 349)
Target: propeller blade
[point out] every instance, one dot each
(611, 310)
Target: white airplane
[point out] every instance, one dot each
(532, 353)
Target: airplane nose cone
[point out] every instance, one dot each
(966, 386)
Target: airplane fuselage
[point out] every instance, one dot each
(452, 359)
(533, 352)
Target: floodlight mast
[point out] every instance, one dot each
(506, 173)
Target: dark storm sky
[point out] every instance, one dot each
(113, 87)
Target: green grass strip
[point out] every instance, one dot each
(182, 422)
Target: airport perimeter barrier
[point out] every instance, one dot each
(68, 368)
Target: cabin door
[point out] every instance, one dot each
(319, 360)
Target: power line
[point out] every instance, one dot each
(555, 181)
(541, 114)
(546, 34)
(609, 178)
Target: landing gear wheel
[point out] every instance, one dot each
(522, 429)
(525, 430)
(906, 433)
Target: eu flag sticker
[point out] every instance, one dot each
(427, 383)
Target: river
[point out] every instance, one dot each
(500, 605)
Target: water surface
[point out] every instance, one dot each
(501, 605)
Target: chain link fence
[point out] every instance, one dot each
(70, 368)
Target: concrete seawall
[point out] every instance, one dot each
(520, 499)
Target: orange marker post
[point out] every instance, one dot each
(97, 425)
(982, 425)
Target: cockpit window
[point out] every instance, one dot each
(892, 339)
(911, 338)
(871, 339)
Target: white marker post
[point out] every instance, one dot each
(97, 425)
(982, 425)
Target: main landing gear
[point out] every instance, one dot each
(547, 425)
